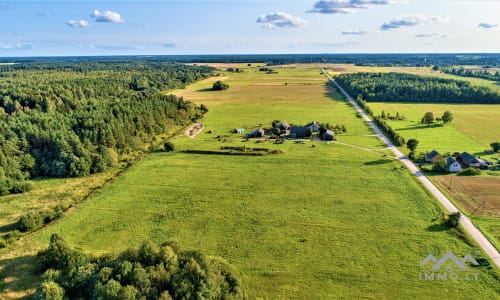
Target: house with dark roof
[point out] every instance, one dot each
(470, 161)
(452, 165)
(433, 157)
(283, 126)
(256, 133)
(300, 132)
(328, 136)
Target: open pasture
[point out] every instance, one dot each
(319, 221)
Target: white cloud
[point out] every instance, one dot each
(107, 16)
(78, 24)
(16, 45)
(169, 45)
(431, 35)
(281, 20)
(355, 32)
(410, 21)
(487, 25)
(345, 6)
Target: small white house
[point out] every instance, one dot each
(453, 165)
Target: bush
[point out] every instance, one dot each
(470, 172)
(495, 146)
(219, 86)
(22, 187)
(49, 290)
(30, 221)
(453, 219)
(169, 146)
(440, 166)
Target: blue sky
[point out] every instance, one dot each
(113, 27)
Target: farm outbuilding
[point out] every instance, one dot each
(256, 133)
(283, 126)
(469, 160)
(433, 157)
(328, 135)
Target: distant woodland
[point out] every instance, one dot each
(70, 119)
(400, 87)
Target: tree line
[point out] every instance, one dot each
(149, 272)
(71, 120)
(483, 74)
(401, 87)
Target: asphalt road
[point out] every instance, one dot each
(466, 223)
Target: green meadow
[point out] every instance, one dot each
(473, 128)
(319, 221)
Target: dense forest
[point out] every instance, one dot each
(400, 87)
(70, 119)
(150, 272)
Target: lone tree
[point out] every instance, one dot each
(447, 117)
(495, 146)
(219, 86)
(428, 118)
(412, 145)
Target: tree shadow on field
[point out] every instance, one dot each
(205, 90)
(438, 227)
(8, 227)
(378, 162)
(18, 275)
(420, 127)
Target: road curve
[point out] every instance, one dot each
(466, 223)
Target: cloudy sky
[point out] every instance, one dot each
(112, 27)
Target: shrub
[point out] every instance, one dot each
(495, 146)
(169, 146)
(22, 187)
(470, 172)
(49, 290)
(440, 166)
(30, 221)
(219, 86)
(453, 219)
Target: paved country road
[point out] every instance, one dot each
(464, 220)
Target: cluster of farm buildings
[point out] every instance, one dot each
(284, 130)
(457, 161)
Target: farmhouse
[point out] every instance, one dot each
(470, 161)
(283, 126)
(452, 165)
(314, 126)
(433, 157)
(328, 135)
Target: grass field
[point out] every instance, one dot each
(322, 222)
(473, 128)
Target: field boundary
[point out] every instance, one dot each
(471, 229)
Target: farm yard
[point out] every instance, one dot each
(317, 221)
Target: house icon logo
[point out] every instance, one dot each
(450, 261)
(448, 267)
